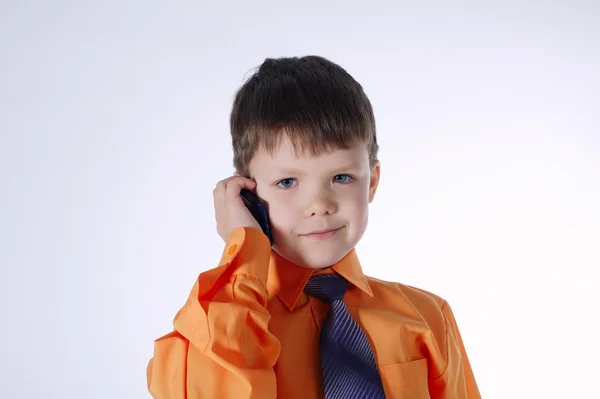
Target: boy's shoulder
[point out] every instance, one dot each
(425, 302)
(406, 289)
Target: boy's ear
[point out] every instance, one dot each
(374, 180)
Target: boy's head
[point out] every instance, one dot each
(304, 130)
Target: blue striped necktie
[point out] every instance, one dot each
(347, 363)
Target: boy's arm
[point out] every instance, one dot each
(221, 346)
(457, 380)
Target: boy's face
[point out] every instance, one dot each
(307, 195)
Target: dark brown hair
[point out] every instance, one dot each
(314, 101)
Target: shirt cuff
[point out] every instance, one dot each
(247, 252)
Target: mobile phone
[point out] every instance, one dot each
(258, 209)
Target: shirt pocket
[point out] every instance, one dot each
(406, 380)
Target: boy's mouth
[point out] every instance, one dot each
(321, 234)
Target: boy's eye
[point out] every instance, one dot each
(286, 183)
(342, 178)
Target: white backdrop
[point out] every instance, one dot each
(114, 132)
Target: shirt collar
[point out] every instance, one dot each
(287, 280)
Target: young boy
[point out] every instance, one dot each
(300, 319)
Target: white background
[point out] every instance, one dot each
(114, 132)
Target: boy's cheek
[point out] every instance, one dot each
(282, 223)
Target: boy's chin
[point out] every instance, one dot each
(314, 260)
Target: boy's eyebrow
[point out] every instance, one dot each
(282, 171)
(298, 172)
(289, 171)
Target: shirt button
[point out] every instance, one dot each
(232, 249)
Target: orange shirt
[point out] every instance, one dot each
(248, 330)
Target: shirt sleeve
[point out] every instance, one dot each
(221, 346)
(457, 380)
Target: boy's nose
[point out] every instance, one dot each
(320, 206)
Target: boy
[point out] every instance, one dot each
(300, 319)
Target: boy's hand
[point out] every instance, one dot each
(230, 211)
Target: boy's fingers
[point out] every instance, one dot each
(225, 183)
(235, 185)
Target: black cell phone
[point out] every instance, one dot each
(258, 209)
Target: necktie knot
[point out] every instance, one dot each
(327, 287)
